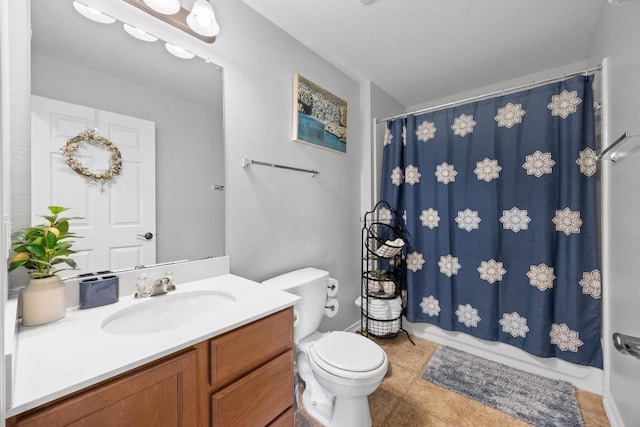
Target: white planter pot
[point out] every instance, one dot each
(43, 301)
(389, 287)
(374, 287)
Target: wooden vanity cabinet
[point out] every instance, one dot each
(160, 394)
(241, 378)
(251, 373)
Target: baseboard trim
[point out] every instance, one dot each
(611, 409)
(353, 328)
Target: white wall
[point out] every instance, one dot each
(506, 85)
(3, 175)
(5, 135)
(189, 139)
(276, 220)
(383, 106)
(618, 41)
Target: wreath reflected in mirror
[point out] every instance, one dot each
(101, 176)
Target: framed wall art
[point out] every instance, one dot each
(319, 117)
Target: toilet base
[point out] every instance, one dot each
(352, 412)
(345, 411)
(321, 410)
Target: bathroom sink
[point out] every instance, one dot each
(168, 311)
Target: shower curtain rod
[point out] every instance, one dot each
(494, 93)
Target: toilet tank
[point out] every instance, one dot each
(310, 284)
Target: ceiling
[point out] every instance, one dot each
(423, 50)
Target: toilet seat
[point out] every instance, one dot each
(348, 355)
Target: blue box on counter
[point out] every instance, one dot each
(99, 291)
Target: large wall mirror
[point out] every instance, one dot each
(83, 68)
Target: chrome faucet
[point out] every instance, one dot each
(163, 285)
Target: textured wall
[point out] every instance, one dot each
(617, 42)
(383, 105)
(279, 220)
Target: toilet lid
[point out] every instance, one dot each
(349, 352)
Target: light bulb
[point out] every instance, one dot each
(202, 19)
(138, 33)
(93, 14)
(178, 51)
(166, 7)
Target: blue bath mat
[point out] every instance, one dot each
(531, 398)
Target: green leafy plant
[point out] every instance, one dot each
(41, 248)
(379, 274)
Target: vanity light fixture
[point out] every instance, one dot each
(138, 33)
(166, 7)
(93, 14)
(178, 51)
(200, 22)
(97, 16)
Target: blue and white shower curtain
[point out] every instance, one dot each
(499, 200)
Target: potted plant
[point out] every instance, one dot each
(43, 249)
(382, 282)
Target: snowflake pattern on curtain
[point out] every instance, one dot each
(487, 170)
(430, 218)
(514, 324)
(463, 125)
(509, 115)
(499, 202)
(491, 271)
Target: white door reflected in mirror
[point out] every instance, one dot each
(114, 214)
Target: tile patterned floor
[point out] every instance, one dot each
(405, 399)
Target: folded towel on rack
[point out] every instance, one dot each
(395, 307)
(390, 248)
(379, 309)
(383, 328)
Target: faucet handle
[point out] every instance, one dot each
(143, 289)
(169, 281)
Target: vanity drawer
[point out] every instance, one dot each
(258, 398)
(238, 352)
(287, 419)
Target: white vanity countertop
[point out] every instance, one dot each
(72, 353)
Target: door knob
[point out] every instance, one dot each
(146, 235)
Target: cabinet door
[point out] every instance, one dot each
(256, 399)
(162, 395)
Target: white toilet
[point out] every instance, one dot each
(340, 369)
